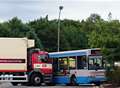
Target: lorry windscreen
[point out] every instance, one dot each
(42, 58)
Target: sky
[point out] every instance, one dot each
(28, 10)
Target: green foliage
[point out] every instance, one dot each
(94, 32)
(113, 78)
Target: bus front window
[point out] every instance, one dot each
(95, 62)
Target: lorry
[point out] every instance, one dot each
(21, 63)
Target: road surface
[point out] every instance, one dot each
(8, 85)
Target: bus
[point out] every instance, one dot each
(78, 67)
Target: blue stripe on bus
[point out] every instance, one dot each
(57, 55)
(61, 79)
(100, 78)
(80, 80)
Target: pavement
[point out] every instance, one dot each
(8, 85)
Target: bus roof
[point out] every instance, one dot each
(70, 53)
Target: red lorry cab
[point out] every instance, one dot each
(40, 61)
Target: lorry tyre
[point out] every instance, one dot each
(14, 83)
(36, 79)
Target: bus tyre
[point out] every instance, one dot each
(98, 83)
(14, 83)
(36, 79)
(73, 80)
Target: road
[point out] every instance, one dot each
(8, 85)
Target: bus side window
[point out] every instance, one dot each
(63, 64)
(81, 62)
(72, 62)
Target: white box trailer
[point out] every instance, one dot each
(21, 62)
(13, 53)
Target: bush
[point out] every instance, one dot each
(113, 76)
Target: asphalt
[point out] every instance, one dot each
(8, 85)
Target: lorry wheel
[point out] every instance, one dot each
(14, 83)
(36, 79)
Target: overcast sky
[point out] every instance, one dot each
(73, 9)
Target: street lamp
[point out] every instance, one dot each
(58, 41)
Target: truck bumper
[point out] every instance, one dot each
(11, 78)
(48, 78)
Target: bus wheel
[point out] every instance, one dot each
(14, 83)
(97, 83)
(36, 79)
(73, 80)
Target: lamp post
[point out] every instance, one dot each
(58, 41)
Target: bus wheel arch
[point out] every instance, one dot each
(73, 80)
(97, 83)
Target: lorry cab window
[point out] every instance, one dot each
(42, 58)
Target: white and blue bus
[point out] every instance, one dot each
(78, 67)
